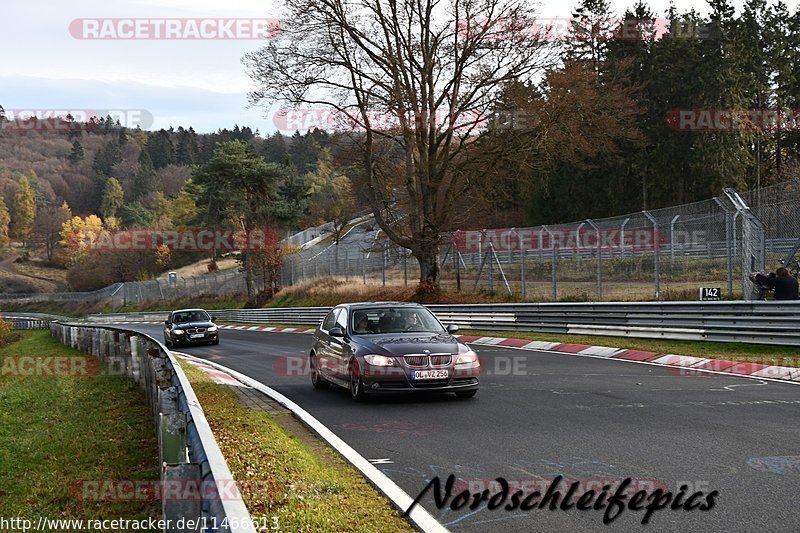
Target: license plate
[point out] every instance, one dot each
(430, 374)
(196, 336)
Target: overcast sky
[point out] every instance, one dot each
(199, 83)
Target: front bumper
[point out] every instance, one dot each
(400, 387)
(186, 339)
(398, 379)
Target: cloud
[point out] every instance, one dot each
(202, 109)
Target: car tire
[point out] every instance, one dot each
(214, 343)
(466, 393)
(167, 342)
(356, 384)
(316, 380)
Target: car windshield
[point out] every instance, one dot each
(394, 320)
(191, 316)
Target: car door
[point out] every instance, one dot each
(323, 347)
(340, 348)
(167, 328)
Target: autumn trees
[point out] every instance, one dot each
(412, 78)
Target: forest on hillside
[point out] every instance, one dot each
(621, 121)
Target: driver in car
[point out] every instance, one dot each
(411, 321)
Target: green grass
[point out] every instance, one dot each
(57, 431)
(738, 351)
(305, 489)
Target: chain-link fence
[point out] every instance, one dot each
(118, 295)
(661, 254)
(231, 282)
(668, 253)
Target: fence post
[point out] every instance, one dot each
(656, 254)
(672, 240)
(599, 260)
(578, 247)
(728, 245)
(553, 267)
(622, 236)
(753, 241)
(521, 259)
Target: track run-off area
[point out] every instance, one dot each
(540, 415)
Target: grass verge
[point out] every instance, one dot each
(738, 351)
(58, 430)
(305, 489)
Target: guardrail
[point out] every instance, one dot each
(30, 320)
(196, 482)
(286, 315)
(750, 322)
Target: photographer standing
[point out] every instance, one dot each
(784, 284)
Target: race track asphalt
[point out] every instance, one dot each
(539, 415)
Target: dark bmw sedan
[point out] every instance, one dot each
(190, 326)
(391, 347)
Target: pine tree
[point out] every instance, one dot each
(5, 220)
(186, 153)
(160, 149)
(113, 199)
(77, 152)
(24, 210)
(146, 180)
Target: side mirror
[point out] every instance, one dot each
(336, 332)
(452, 328)
(166, 322)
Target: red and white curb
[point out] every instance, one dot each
(685, 363)
(221, 378)
(297, 329)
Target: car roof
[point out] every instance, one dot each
(365, 305)
(186, 310)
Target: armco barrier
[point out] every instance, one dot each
(188, 453)
(751, 322)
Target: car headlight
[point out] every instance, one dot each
(379, 360)
(178, 331)
(212, 329)
(467, 358)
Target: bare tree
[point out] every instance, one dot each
(414, 80)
